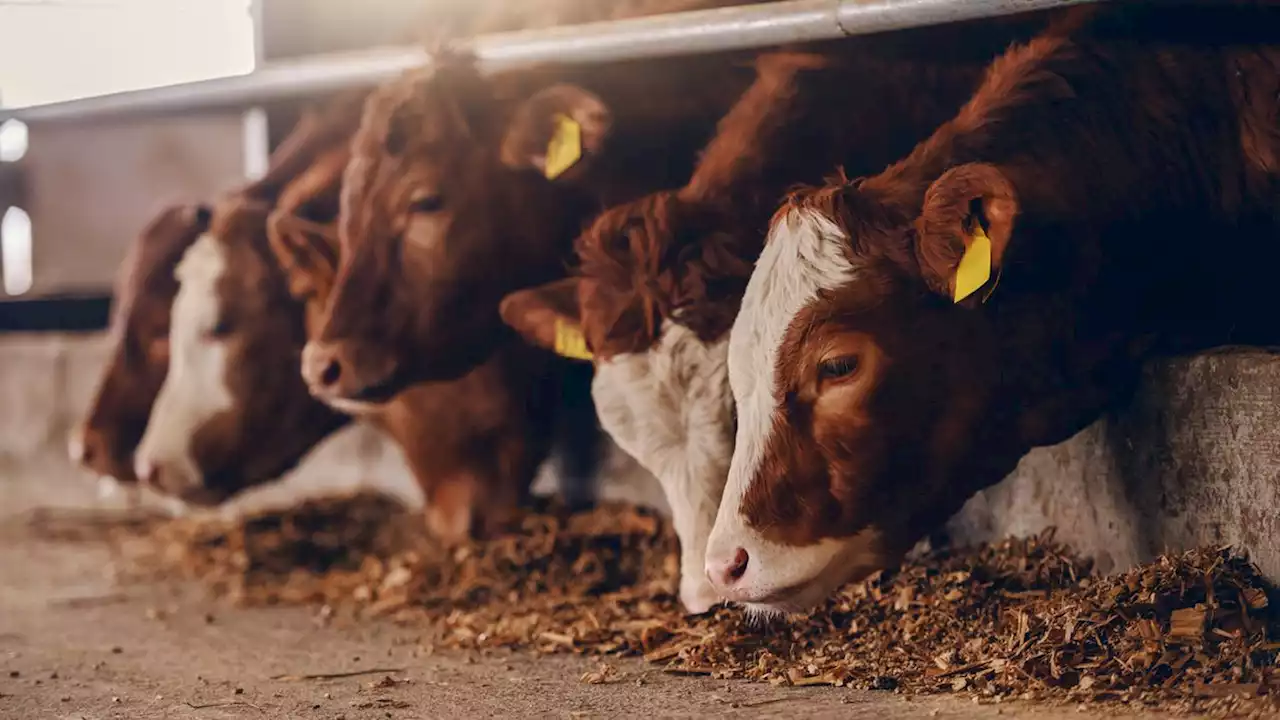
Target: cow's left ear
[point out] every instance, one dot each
(306, 251)
(547, 316)
(963, 231)
(558, 131)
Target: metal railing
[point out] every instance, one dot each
(703, 31)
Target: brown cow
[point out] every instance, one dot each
(203, 441)
(447, 205)
(471, 443)
(905, 338)
(209, 436)
(662, 277)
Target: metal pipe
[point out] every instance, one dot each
(865, 17)
(701, 31)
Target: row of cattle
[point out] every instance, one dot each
(827, 292)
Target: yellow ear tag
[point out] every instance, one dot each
(569, 341)
(975, 266)
(565, 148)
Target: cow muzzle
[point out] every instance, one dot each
(340, 373)
(771, 578)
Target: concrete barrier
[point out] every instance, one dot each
(1194, 458)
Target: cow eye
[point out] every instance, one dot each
(837, 368)
(220, 329)
(427, 204)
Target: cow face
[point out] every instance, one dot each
(467, 493)
(865, 390)
(447, 206)
(650, 305)
(140, 358)
(232, 412)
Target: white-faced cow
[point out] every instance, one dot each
(906, 337)
(144, 293)
(207, 438)
(142, 307)
(661, 278)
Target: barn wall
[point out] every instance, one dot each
(90, 189)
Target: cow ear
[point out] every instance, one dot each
(547, 316)
(559, 131)
(963, 231)
(305, 251)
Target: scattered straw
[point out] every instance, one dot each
(1021, 619)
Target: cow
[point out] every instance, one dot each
(463, 188)
(1110, 190)
(206, 438)
(144, 295)
(145, 288)
(660, 279)
(233, 412)
(473, 444)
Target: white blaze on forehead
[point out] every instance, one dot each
(804, 256)
(670, 408)
(195, 389)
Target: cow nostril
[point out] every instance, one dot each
(331, 374)
(738, 567)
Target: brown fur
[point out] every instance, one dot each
(274, 421)
(417, 293)
(146, 288)
(685, 255)
(471, 444)
(1120, 171)
(136, 369)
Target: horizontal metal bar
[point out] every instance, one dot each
(702, 31)
(865, 17)
(277, 81)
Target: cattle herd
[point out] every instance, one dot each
(824, 293)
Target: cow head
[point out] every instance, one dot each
(467, 493)
(232, 412)
(656, 295)
(140, 358)
(459, 190)
(865, 367)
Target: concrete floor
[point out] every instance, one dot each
(76, 643)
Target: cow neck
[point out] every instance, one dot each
(859, 106)
(1116, 197)
(808, 113)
